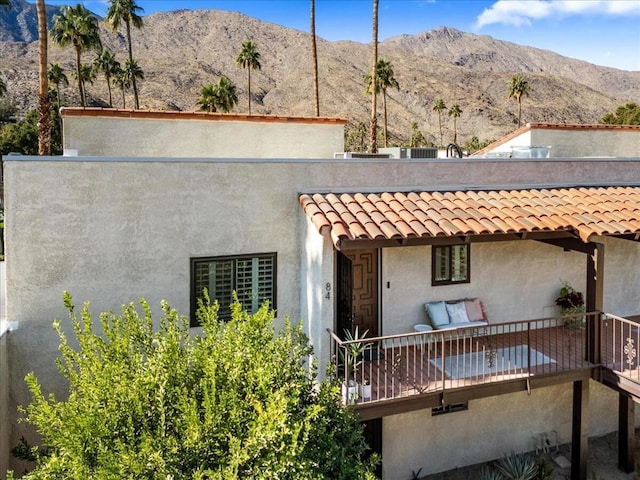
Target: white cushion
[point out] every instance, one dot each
(457, 312)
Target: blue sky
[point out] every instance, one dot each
(600, 32)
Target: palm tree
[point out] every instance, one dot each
(107, 64)
(454, 113)
(208, 98)
(221, 96)
(518, 88)
(373, 130)
(226, 95)
(439, 106)
(126, 11)
(122, 82)
(57, 76)
(78, 27)
(87, 75)
(249, 58)
(44, 101)
(132, 72)
(417, 138)
(385, 79)
(314, 55)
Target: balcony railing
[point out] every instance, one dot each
(619, 340)
(390, 367)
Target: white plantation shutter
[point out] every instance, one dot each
(254, 281)
(450, 264)
(245, 283)
(459, 263)
(442, 263)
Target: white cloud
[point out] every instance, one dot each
(523, 12)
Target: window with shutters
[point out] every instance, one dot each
(450, 264)
(252, 277)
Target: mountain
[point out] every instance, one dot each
(19, 22)
(183, 50)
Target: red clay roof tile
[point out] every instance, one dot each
(398, 215)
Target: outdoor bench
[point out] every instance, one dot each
(453, 314)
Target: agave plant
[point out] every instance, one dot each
(517, 466)
(354, 350)
(491, 475)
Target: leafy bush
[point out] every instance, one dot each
(236, 401)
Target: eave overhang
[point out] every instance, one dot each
(390, 219)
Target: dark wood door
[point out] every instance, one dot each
(364, 297)
(344, 294)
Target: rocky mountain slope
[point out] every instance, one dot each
(183, 50)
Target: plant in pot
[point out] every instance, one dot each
(352, 356)
(365, 389)
(571, 303)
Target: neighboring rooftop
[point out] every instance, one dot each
(158, 133)
(571, 140)
(185, 115)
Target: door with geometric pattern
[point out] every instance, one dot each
(364, 295)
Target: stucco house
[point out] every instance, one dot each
(540, 140)
(162, 204)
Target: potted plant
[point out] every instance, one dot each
(571, 303)
(352, 356)
(365, 389)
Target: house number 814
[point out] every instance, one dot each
(328, 289)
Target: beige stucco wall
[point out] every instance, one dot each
(490, 428)
(317, 288)
(515, 281)
(578, 143)
(4, 413)
(156, 137)
(112, 230)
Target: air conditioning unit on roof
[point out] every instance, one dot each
(360, 155)
(411, 152)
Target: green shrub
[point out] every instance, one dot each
(236, 401)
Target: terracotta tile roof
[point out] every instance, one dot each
(581, 211)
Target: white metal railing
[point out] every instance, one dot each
(619, 341)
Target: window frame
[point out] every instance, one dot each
(195, 261)
(450, 258)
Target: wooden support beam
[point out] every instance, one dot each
(626, 433)
(580, 430)
(569, 243)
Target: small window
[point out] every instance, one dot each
(252, 277)
(453, 407)
(450, 264)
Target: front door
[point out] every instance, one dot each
(363, 283)
(344, 295)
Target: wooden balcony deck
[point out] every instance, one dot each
(404, 367)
